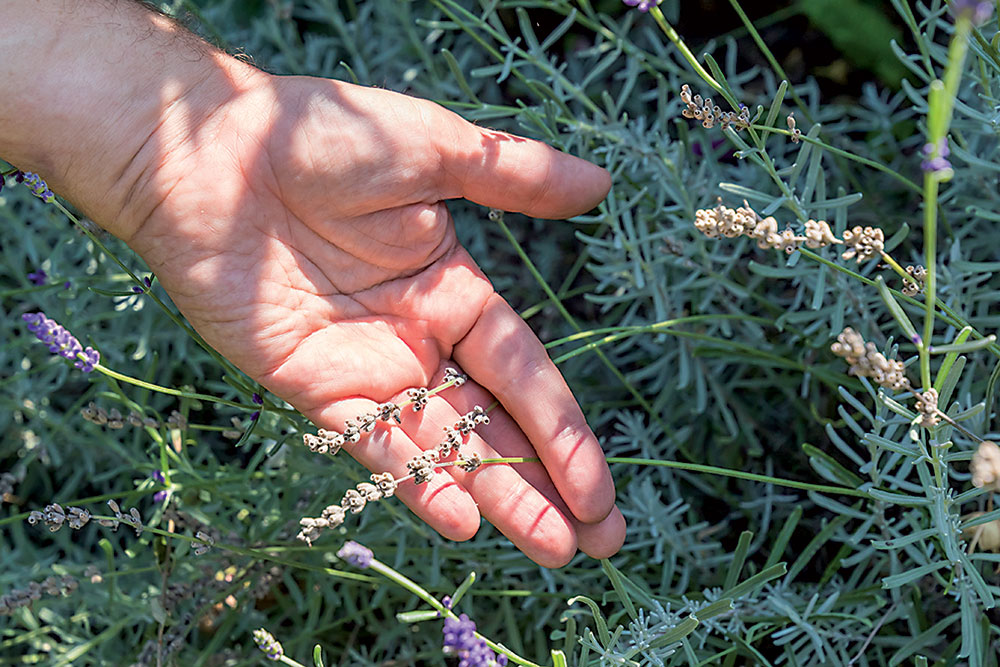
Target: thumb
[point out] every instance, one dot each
(512, 173)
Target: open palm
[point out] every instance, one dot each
(300, 227)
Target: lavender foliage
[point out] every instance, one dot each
(721, 352)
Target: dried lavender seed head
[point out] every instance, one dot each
(205, 545)
(90, 412)
(366, 422)
(136, 521)
(353, 501)
(369, 492)
(352, 433)
(866, 361)
(334, 515)
(452, 441)
(863, 243)
(430, 455)
(421, 469)
(927, 406)
(54, 516)
(985, 466)
(455, 377)
(819, 234)
(788, 241)
(465, 425)
(177, 420)
(315, 443)
(77, 518)
(385, 482)
(418, 396)
(986, 535)
(470, 463)
(387, 411)
(478, 415)
(311, 529)
(710, 113)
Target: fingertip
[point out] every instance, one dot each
(445, 506)
(591, 494)
(604, 539)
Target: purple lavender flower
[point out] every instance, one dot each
(978, 11)
(147, 281)
(460, 639)
(642, 5)
(61, 342)
(256, 398)
(268, 644)
(36, 185)
(936, 163)
(447, 602)
(356, 554)
(161, 495)
(38, 277)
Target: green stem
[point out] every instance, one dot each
(672, 35)
(169, 391)
(941, 105)
(711, 470)
(418, 590)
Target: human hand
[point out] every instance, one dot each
(301, 229)
(299, 224)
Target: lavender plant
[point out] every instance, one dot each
(779, 322)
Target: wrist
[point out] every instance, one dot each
(94, 95)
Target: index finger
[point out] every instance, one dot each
(512, 173)
(502, 354)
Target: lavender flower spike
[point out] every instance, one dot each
(642, 5)
(266, 642)
(939, 162)
(61, 342)
(37, 186)
(978, 10)
(356, 554)
(460, 639)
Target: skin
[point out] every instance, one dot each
(300, 225)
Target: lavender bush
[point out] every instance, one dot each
(779, 322)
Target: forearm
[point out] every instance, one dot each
(94, 94)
